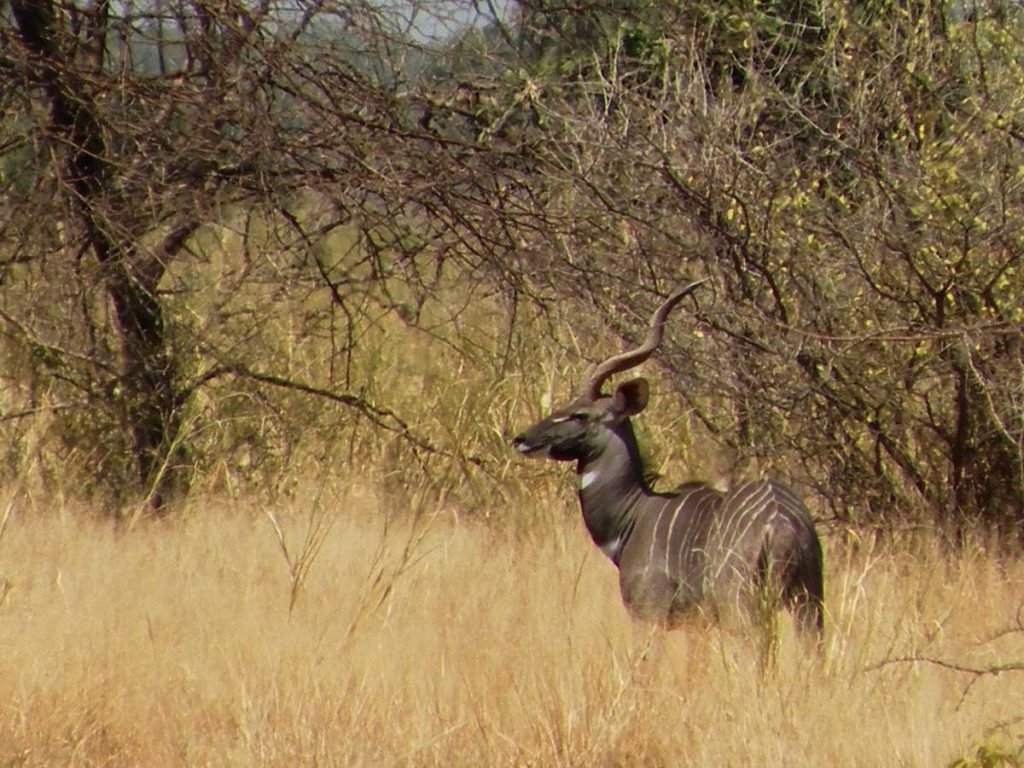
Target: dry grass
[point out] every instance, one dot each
(435, 641)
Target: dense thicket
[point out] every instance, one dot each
(850, 175)
(186, 180)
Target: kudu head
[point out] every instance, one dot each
(582, 428)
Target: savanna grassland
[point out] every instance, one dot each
(430, 639)
(279, 281)
(368, 610)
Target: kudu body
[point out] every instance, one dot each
(696, 548)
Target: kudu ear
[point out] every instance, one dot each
(631, 396)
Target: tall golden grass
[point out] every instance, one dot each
(422, 639)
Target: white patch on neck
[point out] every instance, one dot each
(611, 548)
(587, 479)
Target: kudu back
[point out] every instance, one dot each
(695, 548)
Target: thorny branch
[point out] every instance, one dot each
(976, 672)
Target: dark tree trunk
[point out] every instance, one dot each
(986, 474)
(148, 375)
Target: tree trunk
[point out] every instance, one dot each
(148, 373)
(985, 469)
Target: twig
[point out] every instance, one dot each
(994, 669)
(977, 673)
(381, 416)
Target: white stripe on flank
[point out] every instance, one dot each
(587, 478)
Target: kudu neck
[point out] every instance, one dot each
(618, 458)
(611, 482)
